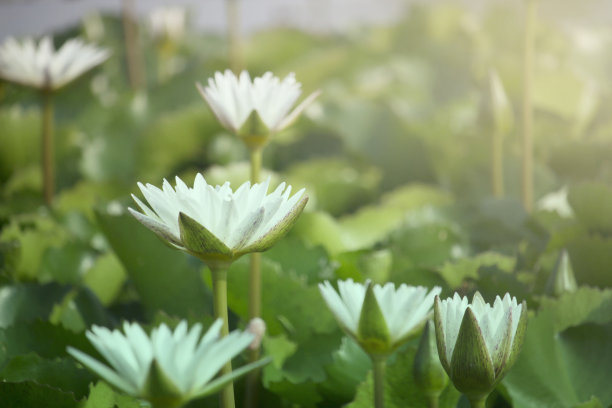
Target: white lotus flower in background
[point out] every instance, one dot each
(168, 22)
(216, 223)
(171, 367)
(42, 67)
(477, 342)
(383, 321)
(257, 108)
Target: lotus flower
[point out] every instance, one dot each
(379, 318)
(254, 110)
(477, 342)
(217, 224)
(42, 67)
(167, 368)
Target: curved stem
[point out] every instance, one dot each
(48, 171)
(254, 289)
(478, 402)
(219, 281)
(433, 400)
(379, 381)
(529, 37)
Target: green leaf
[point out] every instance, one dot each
(30, 394)
(103, 396)
(105, 278)
(591, 203)
(27, 302)
(455, 272)
(590, 256)
(163, 277)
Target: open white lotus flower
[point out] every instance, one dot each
(167, 368)
(254, 110)
(217, 224)
(379, 318)
(42, 67)
(477, 342)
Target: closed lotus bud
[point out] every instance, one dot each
(428, 372)
(477, 342)
(562, 278)
(257, 327)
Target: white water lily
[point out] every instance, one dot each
(403, 310)
(266, 99)
(216, 223)
(167, 368)
(477, 342)
(42, 67)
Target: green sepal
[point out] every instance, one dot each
(372, 332)
(472, 370)
(199, 241)
(222, 381)
(441, 342)
(519, 336)
(499, 357)
(429, 375)
(279, 230)
(159, 390)
(254, 131)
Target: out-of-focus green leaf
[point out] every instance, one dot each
(296, 258)
(19, 139)
(591, 203)
(162, 276)
(27, 302)
(467, 268)
(31, 394)
(61, 373)
(344, 187)
(105, 277)
(591, 256)
(320, 228)
(102, 396)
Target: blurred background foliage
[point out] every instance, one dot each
(396, 158)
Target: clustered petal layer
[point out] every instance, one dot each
(404, 308)
(232, 99)
(239, 219)
(41, 66)
(190, 360)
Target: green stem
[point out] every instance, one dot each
(478, 402)
(233, 34)
(379, 381)
(132, 50)
(433, 400)
(219, 281)
(529, 39)
(48, 172)
(497, 171)
(254, 289)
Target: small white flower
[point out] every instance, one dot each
(257, 327)
(233, 100)
(477, 340)
(177, 365)
(42, 67)
(404, 308)
(216, 222)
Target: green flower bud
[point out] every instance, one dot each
(562, 278)
(428, 372)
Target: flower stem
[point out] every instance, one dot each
(132, 50)
(497, 171)
(433, 400)
(529, 38)
(254, 289)
(478, 402)
(233, 35)
(219, 281)
(48, 172)
(379, 381)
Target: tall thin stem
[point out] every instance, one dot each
(433, 400)
(219, 281)
(133, 57)
(233, 34)
(254, 289)
(379, 381)
(529, 38)
(497, 158)
(48, 171)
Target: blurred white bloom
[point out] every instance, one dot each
(41, 66)
(556, 201)
(169, 366)
(265, 101)
(257, 327)
(477, 342)
(168, 22)
(403, 309)
(216, 223)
